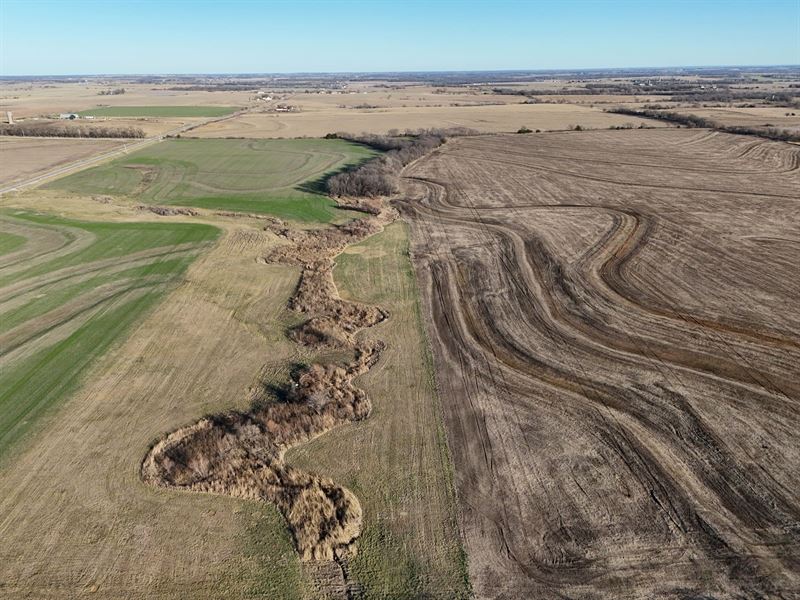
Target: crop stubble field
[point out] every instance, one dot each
(26, 100)
(67, 291)
(78, 518)
(615, 330)
(489, 118)
(22, 158)
(757, 117)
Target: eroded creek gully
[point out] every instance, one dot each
(241, 454)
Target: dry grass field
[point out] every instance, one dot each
(396, 461)
(490, 118)
(759, 117)
(26, 99)
(130, 111)
(33, 99)
(150, 125)
(68, 291)
(24, 158)
(80, 520)
(616, 333)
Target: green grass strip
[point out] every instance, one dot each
(159, 111)
(10, 242)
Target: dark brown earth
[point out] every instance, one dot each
(616, 331)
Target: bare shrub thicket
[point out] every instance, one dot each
(241, 453)
(772, 133)
(69, 131)
(777, 98)
(675, 91)
(380, 176)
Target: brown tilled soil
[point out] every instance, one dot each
(616, 332)
(241, 453)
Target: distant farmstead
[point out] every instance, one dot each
(70, 116)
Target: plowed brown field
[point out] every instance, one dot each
(616, 333)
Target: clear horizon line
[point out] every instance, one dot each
(405, 71)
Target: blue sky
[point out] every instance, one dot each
(182, 36)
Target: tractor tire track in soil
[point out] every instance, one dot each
(241, 454)
(618, 362)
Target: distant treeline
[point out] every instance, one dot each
(217, 87)
(779, 98)
(772, 133)
(677, 92)
(67, 131)
(737, 74)
(381, 175)
(114, 92)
